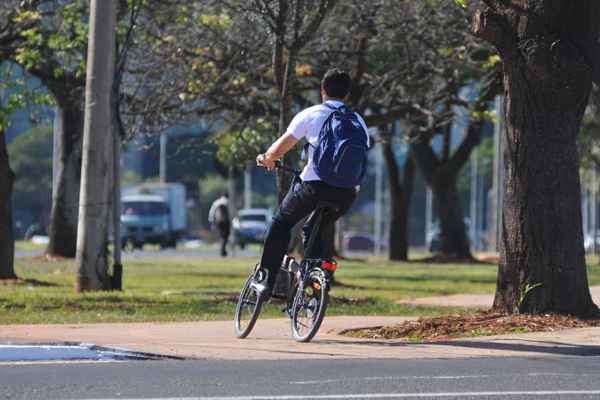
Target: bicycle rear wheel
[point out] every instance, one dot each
(310, 304)
(247, 308)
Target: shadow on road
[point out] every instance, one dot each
(530, 346)
(524, 346)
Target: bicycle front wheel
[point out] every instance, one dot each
(308, 309)
(247, 308)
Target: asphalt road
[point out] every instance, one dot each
(482, 378)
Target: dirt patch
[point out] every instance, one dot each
(342, 285)
(218, 293)
(276, 300)
(87, 307)
(451, 259)
(100, 306)
(351, 301)
(26, 282)
(50, 258)
(233, 299)
(7, 305)
(225, 299)
(484, 323)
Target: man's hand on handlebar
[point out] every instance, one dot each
(263, 161)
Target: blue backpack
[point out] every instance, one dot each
(340, 157)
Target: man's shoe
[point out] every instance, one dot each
(264, 292)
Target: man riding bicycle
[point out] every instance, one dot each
(337, 140)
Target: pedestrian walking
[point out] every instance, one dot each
(218, 217)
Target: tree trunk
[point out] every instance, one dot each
(400, 194)
(547, 81)
(63, 219)
(455, 242)
(92, 234)
(441, 179)
(7, 241)
(285, 116)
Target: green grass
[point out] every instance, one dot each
(186, 288)
(26, 245)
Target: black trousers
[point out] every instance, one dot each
(300, 201)
(224, 229)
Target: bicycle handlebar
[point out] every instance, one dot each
(281, 166)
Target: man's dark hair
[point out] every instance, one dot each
(336, 83)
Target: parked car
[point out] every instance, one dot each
(250, 226)
(360, 241)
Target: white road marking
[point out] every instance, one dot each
(558, 374)
(450, 377)
(382, 378)
(457, 395)
(442, 377)
(317, 382)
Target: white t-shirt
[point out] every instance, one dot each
(308, 124)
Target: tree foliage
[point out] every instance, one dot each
(228, 61)
(48, 38)
(31, 160)
(238, 148)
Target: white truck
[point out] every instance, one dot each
(153, 213)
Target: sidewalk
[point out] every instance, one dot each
(270, 340)
(471, 300)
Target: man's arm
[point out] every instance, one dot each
(277, 150)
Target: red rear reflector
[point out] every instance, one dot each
(329, 266)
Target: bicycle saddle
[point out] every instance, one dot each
(328, 206)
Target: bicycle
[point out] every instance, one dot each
(308, 292)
